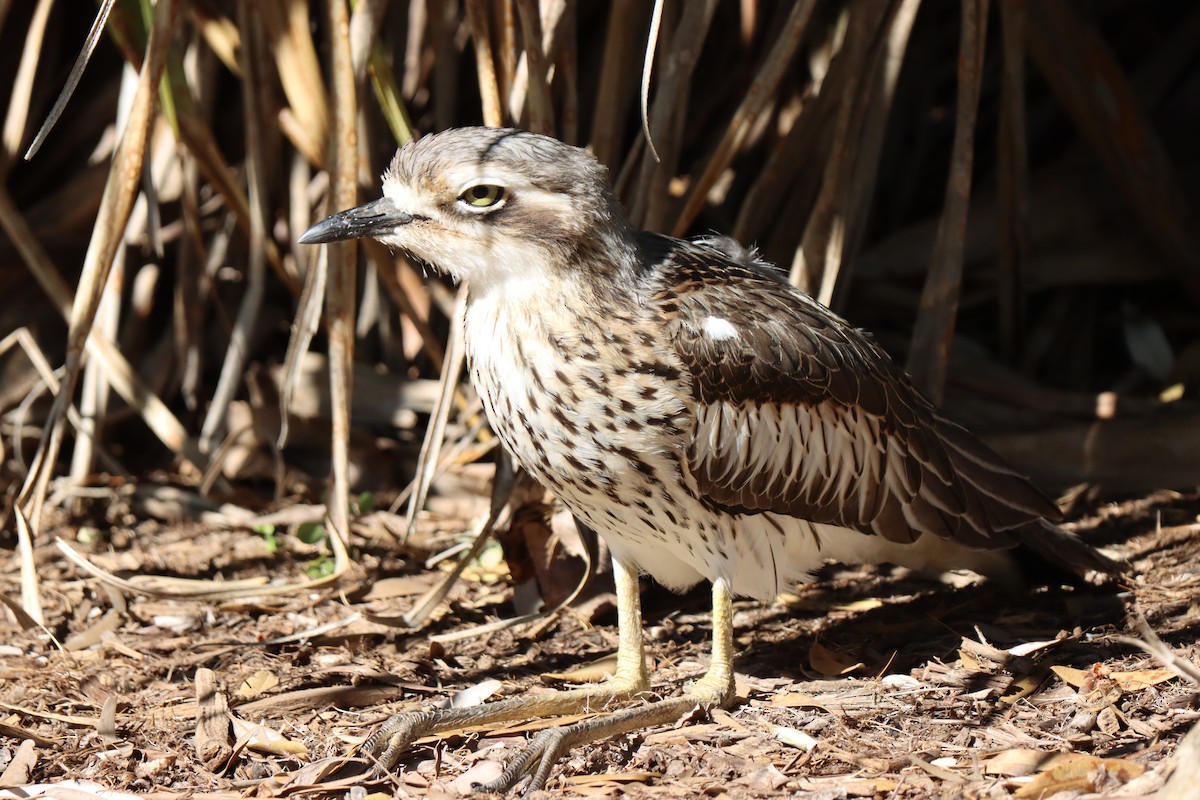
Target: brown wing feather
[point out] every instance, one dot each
(802, 414)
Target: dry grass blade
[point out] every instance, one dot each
(485, 63)
(1186, 777)
(215, 590)
(93, 403)
(668, 114)
(31, 598)
(304, 327)
(1150, 642)
(782, 175)
(818, 261)
(647, 71)
(17, 116)
(510, 622)
(110, 222)
(22, 89)
(299, 72)
(47, 380)
(365, 23)
(117, 369)
(760, 93)
(387, 93)
(624, 26)
(565, 47)
(502, 489)
(541, 115)
(233, 366)
(195, 133)
(874, 107)
(930, 352)
(436, 432)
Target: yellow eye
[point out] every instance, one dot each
(483, 195)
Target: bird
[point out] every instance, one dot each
(707, 419)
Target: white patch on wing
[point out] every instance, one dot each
(719, 330)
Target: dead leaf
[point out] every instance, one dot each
(1128, 681)
(401, 586)
(1082, 773)
(727, 720)
(21, 767)
(474, 695)
(1017, 762)
(824, 604)
(266, 740)
(1022, 686)
(591, 672)
(480, 772)
(1034, 649)
(1108, 721)
(866, 604)
(612, 777)
(686, 734)
(259, 683)
(793, 737)
(829, 663)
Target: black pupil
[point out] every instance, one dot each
(480, 192)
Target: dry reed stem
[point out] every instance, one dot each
(110, 222)
(761, 92)
(930, 351)
(340, 288)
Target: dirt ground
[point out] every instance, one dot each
(869, 683)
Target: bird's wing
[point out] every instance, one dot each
(799, 413)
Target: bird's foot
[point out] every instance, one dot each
(539, 756)
(388, 744)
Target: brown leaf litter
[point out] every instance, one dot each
(867, 683)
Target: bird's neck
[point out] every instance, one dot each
(599, 270)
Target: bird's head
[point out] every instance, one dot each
(488, 204)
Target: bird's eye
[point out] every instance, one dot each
(482, 195)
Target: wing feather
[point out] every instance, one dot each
(799, 413)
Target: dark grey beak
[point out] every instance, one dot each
(365, 221)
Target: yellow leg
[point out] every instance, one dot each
(714, 690)
(398, 733)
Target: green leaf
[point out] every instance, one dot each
(311, 533)
(319, 567)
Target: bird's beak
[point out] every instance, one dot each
(370, 220)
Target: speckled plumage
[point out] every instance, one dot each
(708, 420)
(703, 416)
(787, 440)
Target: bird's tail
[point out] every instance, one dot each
(1063, 550)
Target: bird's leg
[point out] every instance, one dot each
(398, 733)
(714, 690)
